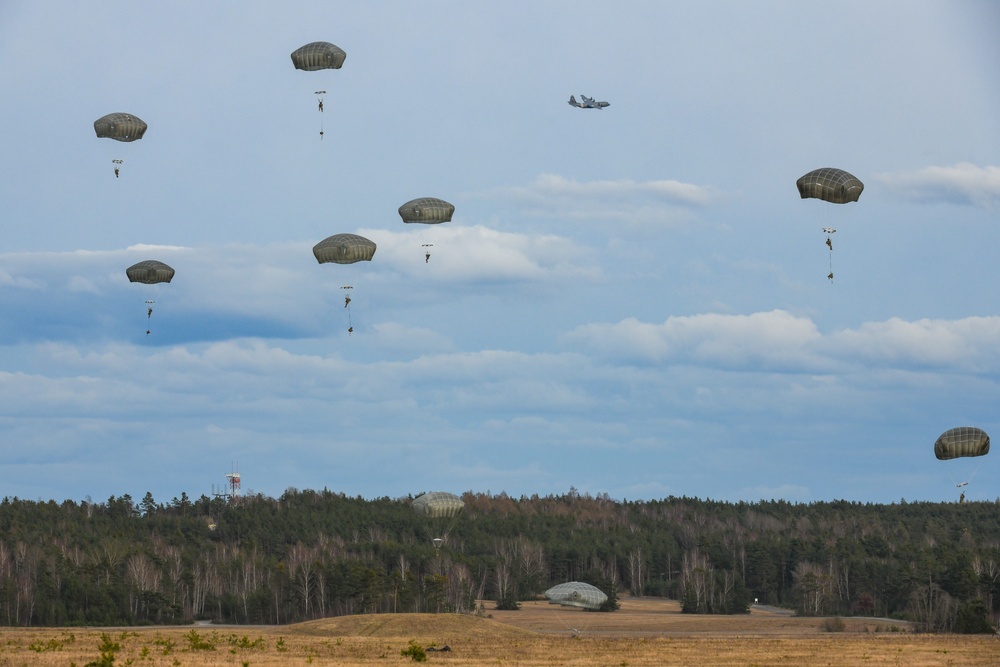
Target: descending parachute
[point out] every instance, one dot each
(345, 249)
(576, 594)
(443, 509)
(833, 185)
(961, 442)
(830, 184)
(429, 211)
(149, 272)
(437, 504)
(317, 56)
(120, 127)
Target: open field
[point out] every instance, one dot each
(643, 632)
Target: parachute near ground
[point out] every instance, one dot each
(428, 210)
(120, 127)
(441, 510)
(344, 249)
(318, 55)
(438, 504)
(962, 441)
(830, 184)
(576, 594)
(150, 272)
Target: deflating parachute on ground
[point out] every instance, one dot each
(962, 441)
(120, 127)
(428, 210)
(150, 272)
(318, 55)
(830, 184)
(344, 249)
(576, 594)
(438, 504)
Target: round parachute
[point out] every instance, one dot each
(427, 210)
(962, 441)
(150, 272)
(318, 55)
(344, 249)
(829, 184)
(438, 504)
(120, 127)
(576, 594)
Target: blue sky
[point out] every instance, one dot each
(630, 301)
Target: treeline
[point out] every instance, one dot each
(313, 554)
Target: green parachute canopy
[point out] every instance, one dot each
(318, 55)
(830, 184)
(120, 127)
(576, 594)
(149, 272)
(962, 441)
(344, 249)
(438, 504)
(428, 210)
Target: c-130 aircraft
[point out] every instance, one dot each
(587, 103)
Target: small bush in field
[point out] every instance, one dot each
(834, 624)
(196, 643)
(415, 651)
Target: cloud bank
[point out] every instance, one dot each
(963, 183)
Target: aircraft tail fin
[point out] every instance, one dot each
(573, 102)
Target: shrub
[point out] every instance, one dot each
(833, 624)
(415, 651)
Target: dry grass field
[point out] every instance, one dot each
(643, 632)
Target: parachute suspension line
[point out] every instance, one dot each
(976, 470)
(347, 305)
(320, 94)
(963, 485)
(580, 622)
(829, 244)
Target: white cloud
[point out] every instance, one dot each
(623, 200)
(963, 183)
(666, 190)
(21, 282)
(970, 344)
(778, 340)
(775, 339)
(478, 253)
